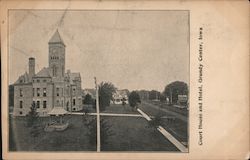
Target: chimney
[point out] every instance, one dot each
(31, 66)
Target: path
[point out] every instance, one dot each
(166, 134)
(108, 114)
(115, 115)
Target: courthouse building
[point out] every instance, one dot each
(51, 86)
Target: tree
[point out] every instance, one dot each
(105, 128)
(32, 116)
(134, 99)
(174, 89)
(11, 97)
(162, 98)
(88, 99)
(154, 95)
(32, 121)
(106, 90)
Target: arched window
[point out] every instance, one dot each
(54, 70)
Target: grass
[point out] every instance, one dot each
(120, 109)
(134, 134)
(176, 127)
(130, 134)
(182, 111)
(72, 139)
(113, 108)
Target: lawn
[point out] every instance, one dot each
(113, 108)
(130, 134)
(182, 111)
(177, 127)
(120, 109)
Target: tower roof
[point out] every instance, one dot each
(56, 38)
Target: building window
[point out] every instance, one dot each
(38, 104)
(20, 112)
(21, 81)
(57, 92)
(74, 102)
(21, 104)
(44, 92)
(44, 104)
(38, 80)
(33, 92)
(38, 92)
(44, 80)
(21, 92)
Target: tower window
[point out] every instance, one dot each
(74, 102)
(54, 70)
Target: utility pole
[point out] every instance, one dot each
(98, 118)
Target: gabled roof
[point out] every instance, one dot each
(23, 78)
(43, 73)
(56, 38)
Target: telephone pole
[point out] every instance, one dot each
(98, 118)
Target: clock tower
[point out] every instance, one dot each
(56, 55)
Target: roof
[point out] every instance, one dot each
(58, 111)
(56, 38)
(73, 76)
(23, 78)
(43, 73)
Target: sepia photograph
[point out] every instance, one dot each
(98, 80)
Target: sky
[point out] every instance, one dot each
(132, 49)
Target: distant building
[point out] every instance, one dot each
(144, 95)
(119, 96)
(51, 86)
